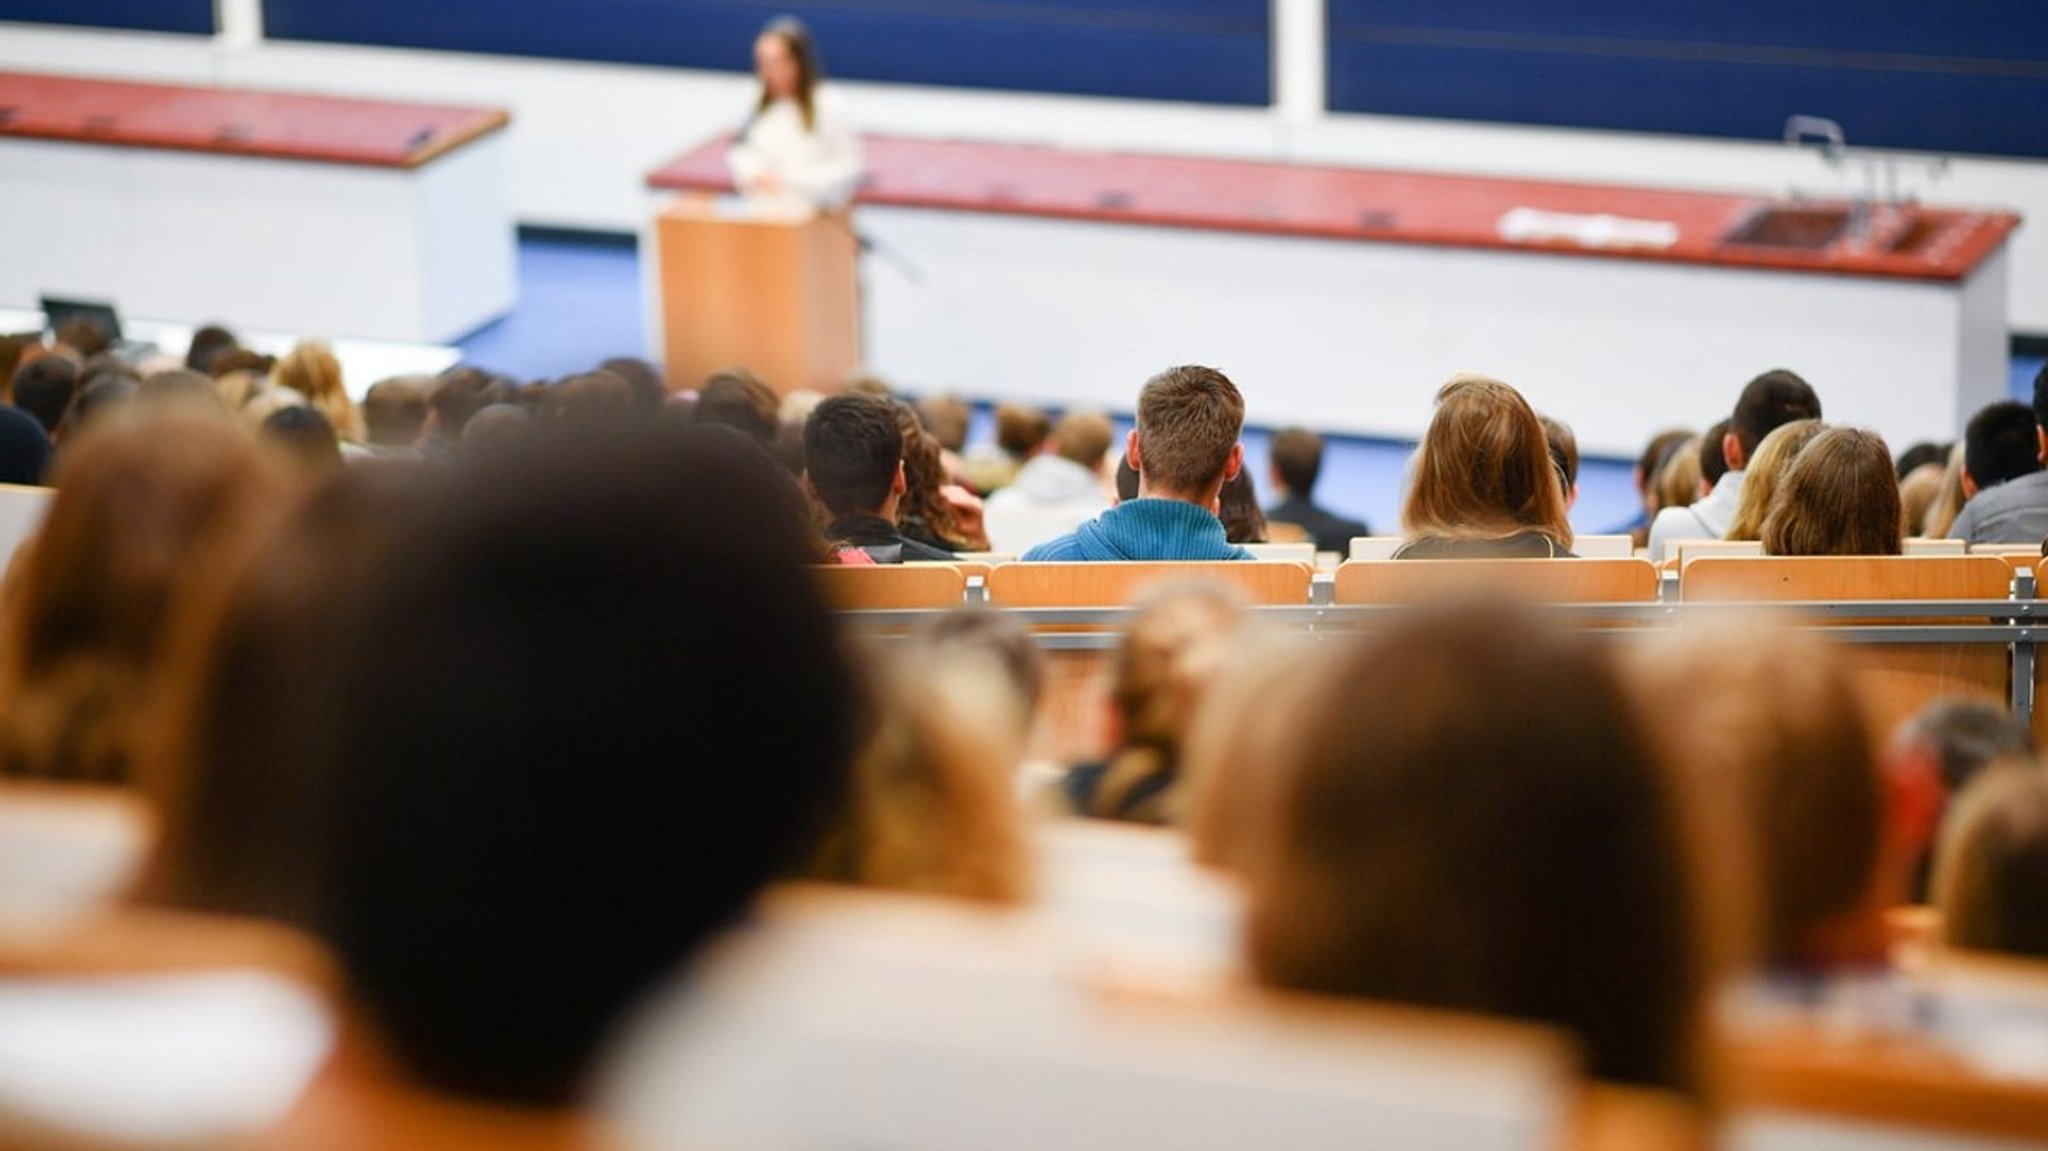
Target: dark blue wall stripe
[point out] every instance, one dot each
(1212, 51)
(195, 16)
(1895, 73)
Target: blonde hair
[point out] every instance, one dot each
(1949, 499)
(1991, 870)
(145, 499)
(1483, 470)
(1918, 491)
(930, 807)
(311, 370)
(1767, 468)
(1678, 480)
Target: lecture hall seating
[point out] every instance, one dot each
(1389, 581)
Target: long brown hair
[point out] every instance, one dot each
(1485, 826)
(1766, 470)
(144, 501)
(1483, 470)
(796, 37)
(1840, 498)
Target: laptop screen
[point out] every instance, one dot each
(57, 311)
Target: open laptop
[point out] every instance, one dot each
(57, 311)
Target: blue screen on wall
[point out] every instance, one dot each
(1212, 51)
(1913, 74)
(195, 16)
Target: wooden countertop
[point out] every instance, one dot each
(237, 121)
(1364, 204)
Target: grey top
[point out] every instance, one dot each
(2014, 512)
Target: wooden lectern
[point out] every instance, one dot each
(771, 288)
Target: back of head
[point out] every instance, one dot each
(649, 392)
(85, 334)
(1991, 872)
(1713, 456)
(591, 399)
(497, 429)
(1966, 735)
(1084, 438)
(1656, 452)
(1678, 478)
(1298, 459)
(460, 393)
(1483, 470)
(1484, 826)
(738, 400)
(143, 500)
(312, 370)
(1766, 471)
(305, 436)
(1770, 738)
(1564, 451)
(1189, 419)
(395, 411)
(591, 701)
(207, 342)
(1237, 505)
(1922, 453)
(1182, 636)
(1919, 491)
(1019, 429)
(178, 387)
(24, 447)
(1769, 401)
(852, 447)
(946, 418)
(1840, 498)
(44, 388)
(2000, 443)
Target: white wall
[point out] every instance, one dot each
(584, 135)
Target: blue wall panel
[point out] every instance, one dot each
(1214, 51)
(1969, 77)
(194, 16)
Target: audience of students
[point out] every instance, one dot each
(2004, 488)
(1484, 484)
(1297, 461)
(1772, 399)
(1020, 434)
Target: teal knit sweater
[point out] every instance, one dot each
(1143, 529)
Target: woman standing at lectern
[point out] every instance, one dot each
(797, 144)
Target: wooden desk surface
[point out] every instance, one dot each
(1353, 204)
(237, 121)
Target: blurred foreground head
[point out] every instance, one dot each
(588, 708)
(1475, 820)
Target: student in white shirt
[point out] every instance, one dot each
(797, 144)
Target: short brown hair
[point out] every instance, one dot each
(1840, 498)
(1189, 419)
(1769, 402)
(1019, 430)
(1991, 874)
(1484, 826)
(1084, 438)
(1483, 470)
(395, 411)
(1297, 455)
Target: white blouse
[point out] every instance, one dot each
(820, 165)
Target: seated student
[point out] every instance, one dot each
(395, 415)
(311, 370)
(44, 388)
(1768, 732)
(460, 392)
(1297, 461)
(1840, 498)
(1644, 476)
(1766, 471)
(853, 466)
(1767, 402)
(1564, 456)
(1183, 448)
(24, 448)
(536, 813)
(1485, 826)
(1182, 636)
(145, 498)
(1056, 490)
(931, 808)
(1237, 505)
(1483, 483)
(1956, 739)
(2005, 491)
(738, 399)
(934, 511)
(1991, 871)
(1020, 433)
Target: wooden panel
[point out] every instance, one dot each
(1348, 203)
(1116, 584)
(774, 292)
(1901, 1083)
(1550, 581)
(893, 586)
(1896, 680)
(286, 125)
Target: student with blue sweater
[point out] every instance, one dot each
(1184, 448)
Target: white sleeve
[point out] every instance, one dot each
(745, 162)
(830, 181)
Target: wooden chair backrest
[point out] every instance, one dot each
(1594, 547)
(1896, 680)
(2031, 551)
(892, 586)
(1117, 584)
(1690, 550)
(1374, 547)
(852, 1019)
(1765, 579)
(1296, 552)
(1922, 546)
(1626, 580)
